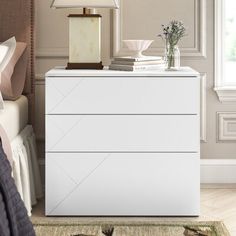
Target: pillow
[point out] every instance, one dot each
(13, 71)
(6, 51)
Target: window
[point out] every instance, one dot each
(225, 49)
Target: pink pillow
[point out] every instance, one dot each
(13, 75)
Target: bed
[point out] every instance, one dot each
(17, 118)
(14, 116)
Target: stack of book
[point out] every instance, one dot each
(137, 64)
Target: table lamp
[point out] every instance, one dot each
(85, 32)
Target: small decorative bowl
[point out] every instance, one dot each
(138, 46)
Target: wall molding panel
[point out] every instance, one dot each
(39, 79)
(199, 49)
(39, 108)
(226, 126)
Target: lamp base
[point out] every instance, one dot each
(84, 66)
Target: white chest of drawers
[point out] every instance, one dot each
(122, 144)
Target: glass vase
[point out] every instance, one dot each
(172, 57)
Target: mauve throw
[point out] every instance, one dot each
(14, 220)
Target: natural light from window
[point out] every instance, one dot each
(230, 42)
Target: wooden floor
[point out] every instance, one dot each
(216, 204)
(220, 204)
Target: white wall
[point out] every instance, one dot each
(142, 19)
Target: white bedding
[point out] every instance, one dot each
(14, 117)
(25, 167)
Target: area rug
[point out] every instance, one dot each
(109, 228)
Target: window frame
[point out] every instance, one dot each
(226, 93)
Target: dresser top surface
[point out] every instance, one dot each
(62, 72)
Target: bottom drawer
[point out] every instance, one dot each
(88, 184)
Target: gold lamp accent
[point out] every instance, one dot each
(85, 32)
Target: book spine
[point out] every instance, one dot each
(134, 68)
(145, 68)
(128, 63)
(137, 59)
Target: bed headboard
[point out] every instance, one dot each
(17, 19)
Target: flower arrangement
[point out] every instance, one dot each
(172, 34)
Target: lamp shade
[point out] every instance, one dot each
(85, 4)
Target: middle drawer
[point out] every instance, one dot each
(122, 133)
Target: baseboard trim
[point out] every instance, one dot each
(214, 172)
(218, 186)
(218, 171)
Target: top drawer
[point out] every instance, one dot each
(126, 95)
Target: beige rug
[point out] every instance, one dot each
(112, 228)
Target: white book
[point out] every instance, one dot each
(135, 59)
(137, 63)
(135, 68)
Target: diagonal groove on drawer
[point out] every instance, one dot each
(54, 85)
(58, 127)
(78, 184)
(65, 172)
(64, 96)
(67, 132)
